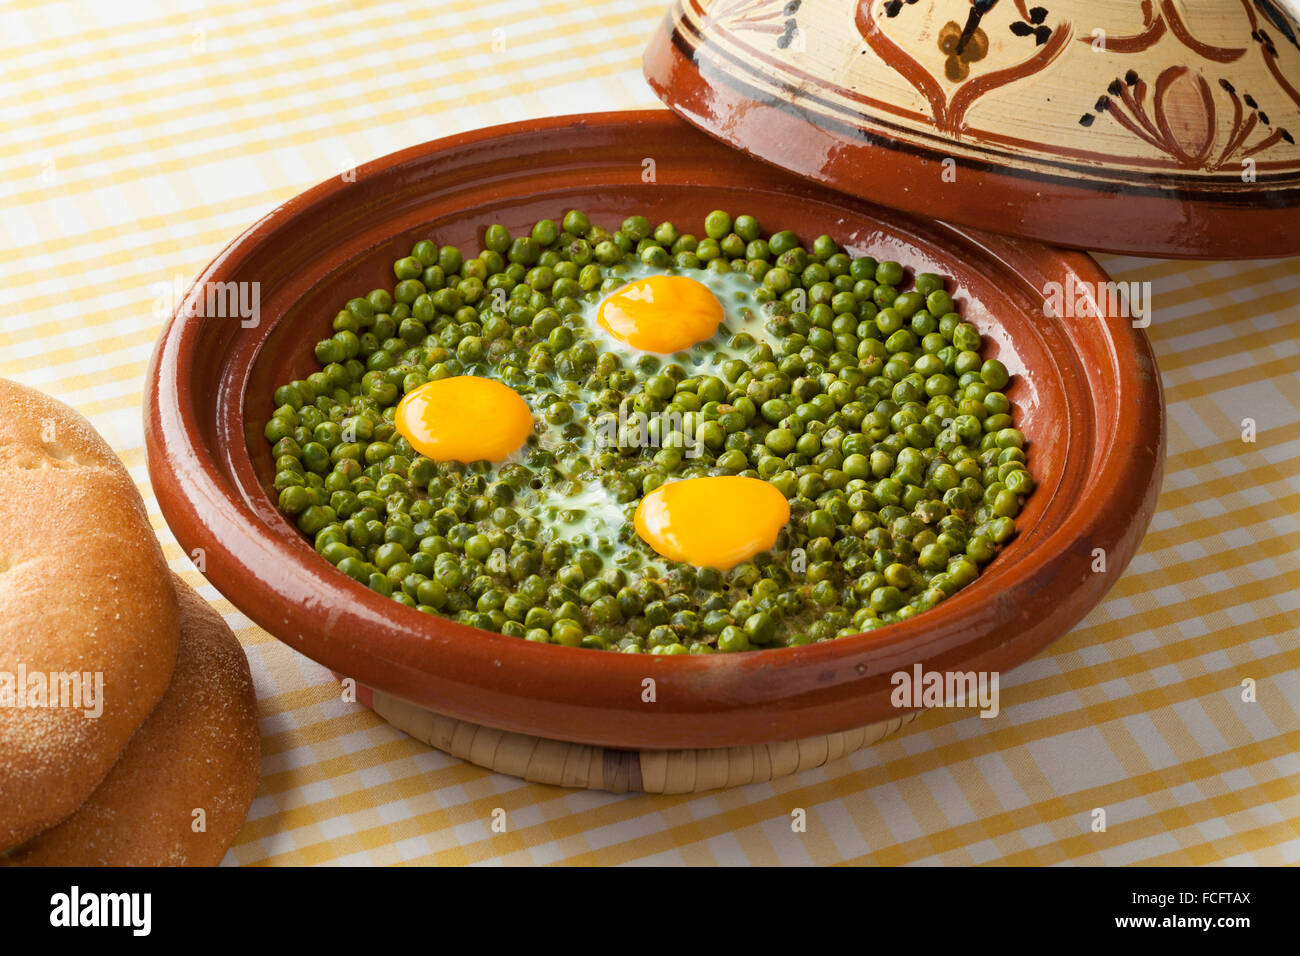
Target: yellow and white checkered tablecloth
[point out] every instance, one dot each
(139, 137)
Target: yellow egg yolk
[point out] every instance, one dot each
(712, 522)
(464, 418)
(663, 314)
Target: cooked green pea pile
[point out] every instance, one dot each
(867, 404)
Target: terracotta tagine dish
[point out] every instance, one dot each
(1085, 391)
(1158, 127)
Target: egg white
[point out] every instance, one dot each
(742, 313)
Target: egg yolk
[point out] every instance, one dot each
(464, 418)
(712, 522)
(663, 314)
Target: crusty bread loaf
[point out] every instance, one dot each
(84, 588)
(182, 789)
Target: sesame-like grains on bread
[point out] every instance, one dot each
(181, 790)
(84, 588)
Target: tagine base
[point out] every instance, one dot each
(559, 763)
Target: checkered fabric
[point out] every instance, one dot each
(139, 137)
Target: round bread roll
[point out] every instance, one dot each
(85, 595)
(182, 789)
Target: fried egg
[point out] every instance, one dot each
(464, 418)
(732, 292)
(661, 313)
(715, 522)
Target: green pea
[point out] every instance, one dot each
(981, 549)
(733, 639)
(889, 273)
(938, 302)
(576, 222)
(820, 524)
(928, 282)
(717, 224)
(407, 268)
(1006, 504)
(783, 242)
(966, 337)
(356, 569)
(898, 576)
(934, 557)
(655, 256)
(1020, 482)
(747, 228)
(887, 598)
(294, 500)
(907, 304)
(496, 238)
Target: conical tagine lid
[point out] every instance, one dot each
(1153, 127)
